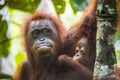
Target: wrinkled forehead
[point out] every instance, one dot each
(40, 23)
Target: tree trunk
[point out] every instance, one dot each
(106, 23)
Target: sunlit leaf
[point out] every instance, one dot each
(25, 5)
(19, 58)
(118, 56)
(59, 5)
(117, 35)
(78, 5)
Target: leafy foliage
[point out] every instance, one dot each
(2, 4)
(4, 41)
(118, 56)
(59, 6)
(78, 5)
(25, 5)
(5, 77)
(117, 35)
(19, 58)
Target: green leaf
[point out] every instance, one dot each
(59, 5)
(25, 5)
(20, 57)
(5, 76)
(4, 41)
(78, 5)
(117, 35)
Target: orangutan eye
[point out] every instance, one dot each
(35, 33)
(82, 49)
(46, 31)
(77, 50)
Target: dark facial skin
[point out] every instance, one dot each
(81, 51)
(42, 38)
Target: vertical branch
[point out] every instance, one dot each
(106, 23)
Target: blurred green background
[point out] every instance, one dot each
(14, 12)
